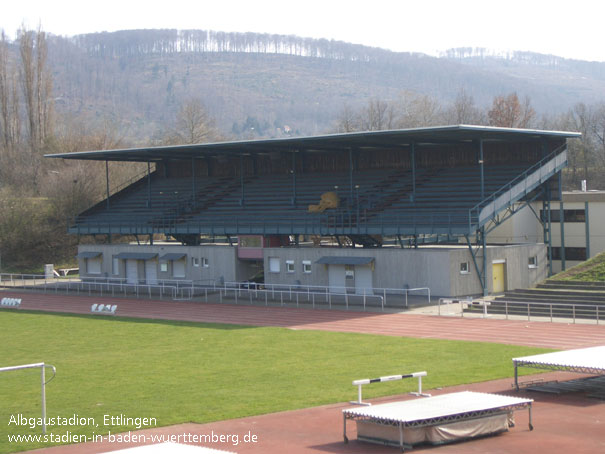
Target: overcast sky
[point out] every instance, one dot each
(571, 29)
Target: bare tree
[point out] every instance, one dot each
(376, 116)
(509, 112)
(464, 111)
(416, 110)
(348, 120)
(193, 125)
(36, 85)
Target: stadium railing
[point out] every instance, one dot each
(383, 298)
(530, 310)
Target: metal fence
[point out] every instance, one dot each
(238, 292)
(526, 310)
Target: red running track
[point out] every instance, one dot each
(516, 332)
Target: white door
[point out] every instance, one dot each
(178, 268)
(363, 280)
(93, 266)
(336, 278)
(151, 272)
(132, 271)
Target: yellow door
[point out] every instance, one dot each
(498, 277)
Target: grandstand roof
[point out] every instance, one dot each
(365, 141)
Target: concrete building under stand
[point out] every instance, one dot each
(430, 207)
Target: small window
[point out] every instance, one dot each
(464, 268)
(164, 267)
(195, 261)
(306, 266)
(349, 272)
(205, 262)
(274, 266)
(532, 262)
(290, 266)
(115, 265)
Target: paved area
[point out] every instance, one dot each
(563, 423)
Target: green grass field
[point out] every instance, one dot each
(189, 372)
(592, 270)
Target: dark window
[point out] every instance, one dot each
(571, 253)
(570, 215)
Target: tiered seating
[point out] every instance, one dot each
(379, 197)
(169, 197)
(557, 298)
(444, 196)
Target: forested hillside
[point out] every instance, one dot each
(255, 84)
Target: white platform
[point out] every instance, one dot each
(441, 412)
(589, 360)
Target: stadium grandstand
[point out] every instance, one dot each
(390, 209)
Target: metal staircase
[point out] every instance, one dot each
(486, 210)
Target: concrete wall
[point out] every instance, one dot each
(437, 268)
(221, 261)
(525, 227)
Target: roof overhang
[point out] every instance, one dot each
(136, 255)
(339, 260)
(362, 141)
(173, 256)
(88, 255)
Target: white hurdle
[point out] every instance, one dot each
(367, 381)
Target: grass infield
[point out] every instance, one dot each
(192, 372)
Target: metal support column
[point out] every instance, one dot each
(481, 170)
(547, 225)
(293, 179)
(107, 180)
(484, 248)
(350, 176)
(193, 181)
(241, 176)
(481, 272)
(148, 184)
(413, 161)
(587, 223)
(562, 222)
